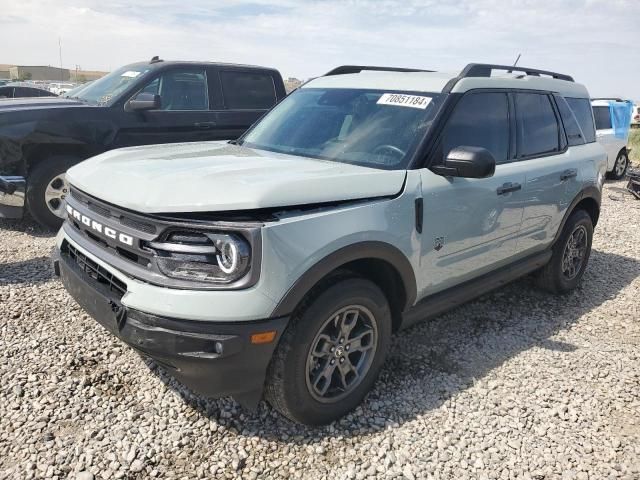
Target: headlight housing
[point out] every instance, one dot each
(199, 256)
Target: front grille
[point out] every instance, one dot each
(95, 271)
(109, 211)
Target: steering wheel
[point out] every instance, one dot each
(389, 151)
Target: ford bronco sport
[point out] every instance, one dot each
(370, 198)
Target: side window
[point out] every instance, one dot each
(602, 118)
(571, 127)
(538, 131)
(247, 90)
(479, 120)
(152, 87)
(180, 90)
(582, 110)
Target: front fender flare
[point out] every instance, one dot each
(358, 251)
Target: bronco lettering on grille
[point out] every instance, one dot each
(98, 227)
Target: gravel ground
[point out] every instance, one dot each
(518, 384)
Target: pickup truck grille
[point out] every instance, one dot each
(95, 271)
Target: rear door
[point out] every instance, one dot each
(184, 115)
(247, 94)
(471, 225)
(552, 168)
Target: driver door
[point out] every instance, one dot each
(184, 114)
(471, 225)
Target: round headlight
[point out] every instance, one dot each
(228, 255)
(215, 257)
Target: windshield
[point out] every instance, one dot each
(373, 128)
(103, 90)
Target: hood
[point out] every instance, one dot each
(217, 176)
(38, 103)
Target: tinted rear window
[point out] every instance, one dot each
(571, 127)
(538, 132)
(602, 118)
(582, 110)
(248, 90)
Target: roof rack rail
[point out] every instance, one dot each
(484, 70)
(344, 69)
(615, 99)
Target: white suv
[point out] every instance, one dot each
(615, 146)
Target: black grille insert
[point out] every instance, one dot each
(95, 271)
(108, 211)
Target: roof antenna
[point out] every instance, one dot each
(516, 62)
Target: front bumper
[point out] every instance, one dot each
(12, 191)
(212, 358)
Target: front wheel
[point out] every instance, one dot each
(620, 167)
(570, 255)
(47, 189)
(331, 353)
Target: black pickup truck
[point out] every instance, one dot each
(139, 104)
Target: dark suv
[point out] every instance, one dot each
(138, 104)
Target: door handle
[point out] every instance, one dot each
(508, 187)
(204, 125)
(567, 174)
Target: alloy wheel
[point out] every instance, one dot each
(341, 353)
(621, 164)
(55, 193)
(574, 253)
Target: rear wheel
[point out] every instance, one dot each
(47, 189)
(620, 167)
(332, 352)
(570, 255)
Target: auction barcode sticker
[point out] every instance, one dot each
(401, 100)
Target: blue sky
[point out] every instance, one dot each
(596, 41)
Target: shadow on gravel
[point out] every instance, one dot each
(25, 225)
(435, 360)
(32, 271)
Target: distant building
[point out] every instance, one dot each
(81, 76)
(39, 73)
(291, 84)
(4, 72)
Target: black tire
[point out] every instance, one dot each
(552, 276)
(287, 388)
(620, 167)
(39, 178)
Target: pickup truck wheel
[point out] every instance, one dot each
(620, 167)
(47, 189)
(331, 353)
(570, 255)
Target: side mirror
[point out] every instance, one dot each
(144, 101)
(467, 162)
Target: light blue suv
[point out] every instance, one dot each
(280, 265)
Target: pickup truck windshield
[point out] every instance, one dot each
(372, 128)
(103, 90)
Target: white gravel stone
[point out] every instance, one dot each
(517, 384)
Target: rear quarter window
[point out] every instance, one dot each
(248, 90)
(581, 108)
(570, 123)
